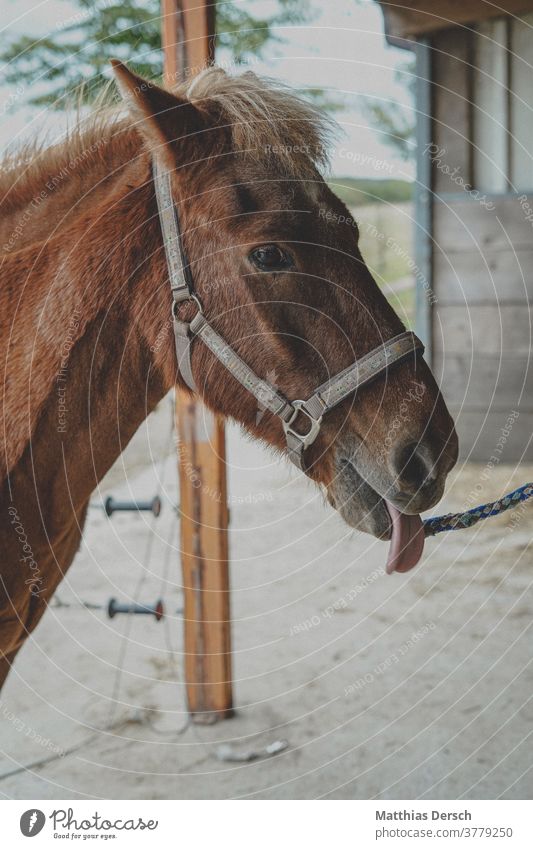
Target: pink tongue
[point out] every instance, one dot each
(407, 541)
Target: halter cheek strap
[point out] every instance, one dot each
(301, 420)
(179, 271)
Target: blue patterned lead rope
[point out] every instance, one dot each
(458, 521)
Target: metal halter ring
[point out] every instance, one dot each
(190, 297)
(305, 438)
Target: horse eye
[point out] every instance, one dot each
(270, 258)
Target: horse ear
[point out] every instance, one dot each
(161, 117)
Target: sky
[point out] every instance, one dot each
(341, 50)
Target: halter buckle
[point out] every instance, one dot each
(305, 438)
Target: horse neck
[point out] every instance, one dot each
(89, 377)
(49, 193)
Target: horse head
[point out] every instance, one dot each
(277, 269)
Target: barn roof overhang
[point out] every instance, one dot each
(408, 20)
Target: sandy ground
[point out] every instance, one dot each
(402, 687)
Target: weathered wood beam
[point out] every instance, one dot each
(188, 44)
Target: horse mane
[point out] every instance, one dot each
(92, 142)
(266, 118)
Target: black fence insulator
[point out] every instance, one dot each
(156, 609)
(154, 506)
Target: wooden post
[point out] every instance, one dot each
(188, 44)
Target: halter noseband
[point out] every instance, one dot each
(323, 399)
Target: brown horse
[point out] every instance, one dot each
(87, 346)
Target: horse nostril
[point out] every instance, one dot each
(412, 467)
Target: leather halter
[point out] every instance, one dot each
(310, 412)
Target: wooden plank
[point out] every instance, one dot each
(423, 197)
(489, 276)
(199, 19)
(405, 19)
(490, 101)
(172, 42)
(204, 555)
(202, 454)
(463, 223)
(478, 382)
(521, 103)
(487, 329)
(481, 436)
(452, 58)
